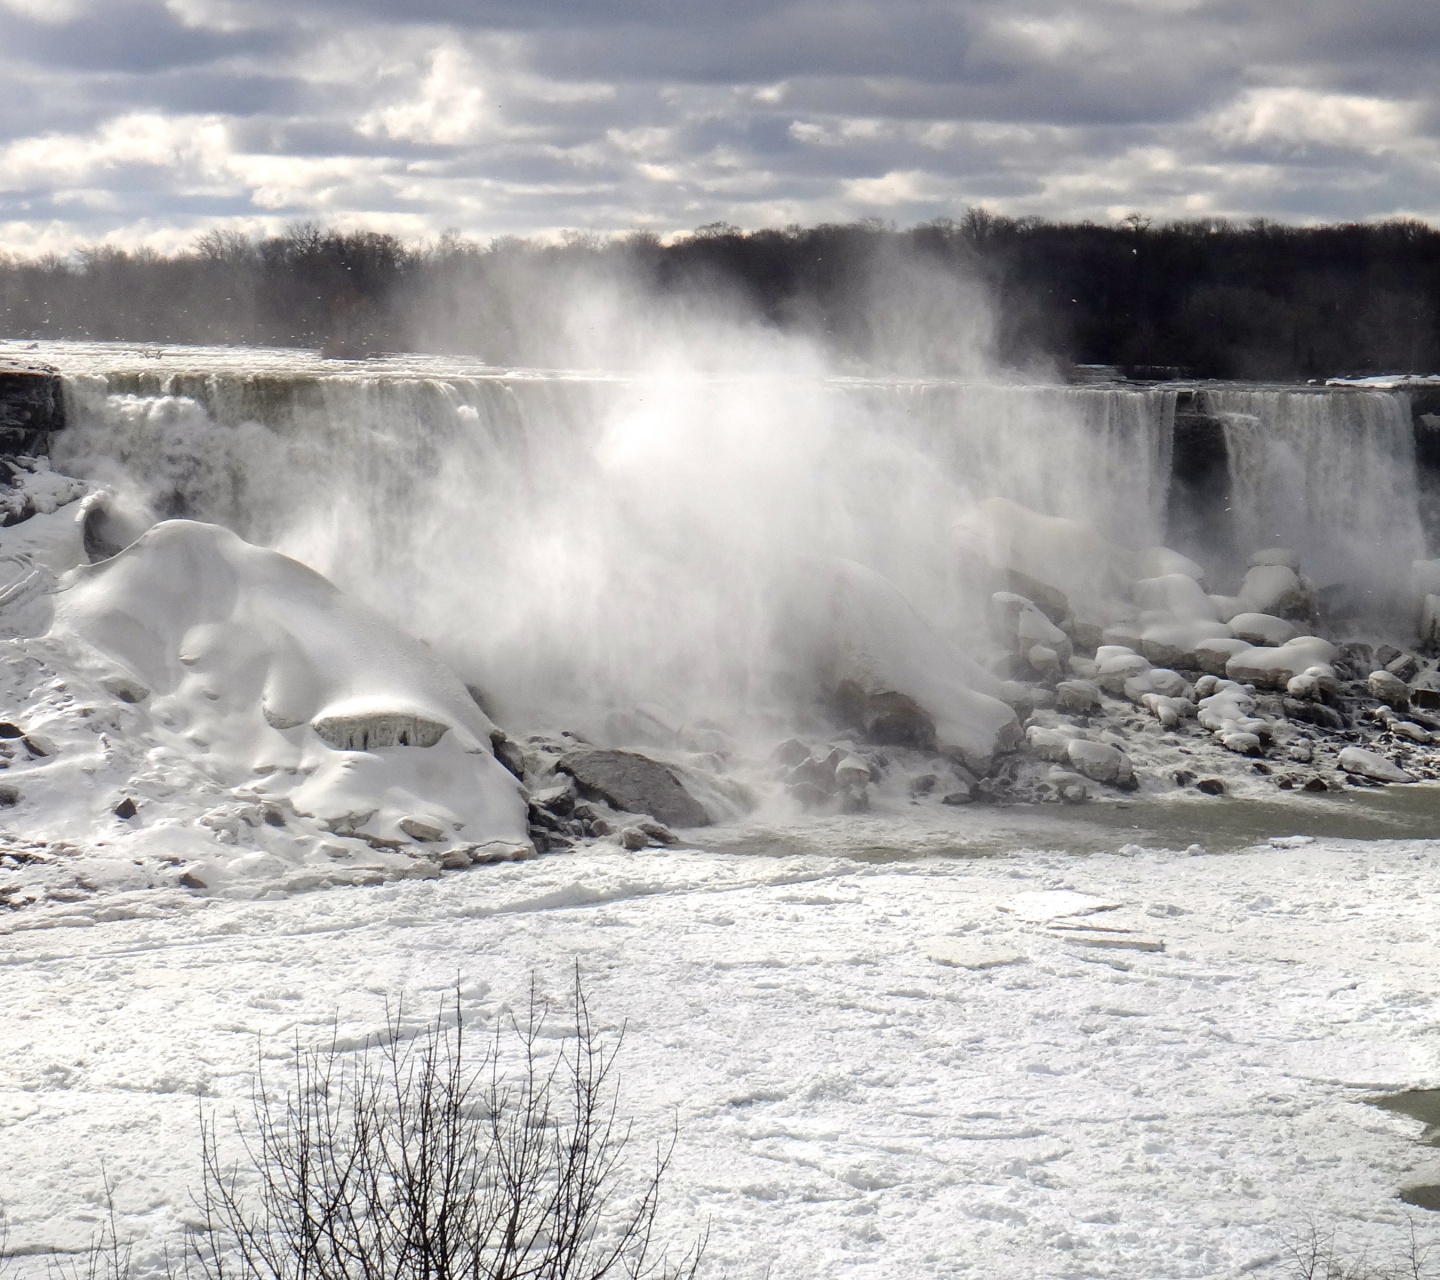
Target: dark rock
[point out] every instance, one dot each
(126, 808)
(507, 752)
(274, 815)
(1405, 667)
(1358, 657)
(924, 784)
(1183, 777)
(808, 795)
(790, 753)
(1316, 783)
(817, 774)
(1316, 713)
(189, 880)
(8, 730)
(658, 832)
(1428, 699)
(1385, 654)
(627, 780)
(1211, 786)
(1053, 603)
(887, 719)
(32, 406)
(1262, 769)
(633, 839)
(558, 800)
(958, 797)
(855, 800)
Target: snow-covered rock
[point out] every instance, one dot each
(1389, 689)
(1099, 761)
(1022, 625)
(1372, 765)
(1277, 589)
(265, 680)
(1115, 664)
(1274, 668)
(1077, 696)
(1262, 629)
(1212, 655)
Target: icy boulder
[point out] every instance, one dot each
(282, 689)
(1274, 668)
(1262, 629)
(1176, 617)
(891, 674)
(1277, 589)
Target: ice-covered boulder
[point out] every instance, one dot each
(874, 656)
(1115, 664)
(1022, 626)
(1389, 689)
(1274, 668)
(1372, 765)
(1100, 762)
(1159, 681)
(1077, 696)
(1262, 629)
(1277, 589)
(1212, 655)
(1155, 562)
(280, 684)
(1176, 616)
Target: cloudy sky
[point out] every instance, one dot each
(146, 121)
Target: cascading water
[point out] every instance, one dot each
(580, 540)
(1330, 474)
(568, 538)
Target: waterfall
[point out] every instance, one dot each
(1330, 474)
(636, 526)
(628, 533)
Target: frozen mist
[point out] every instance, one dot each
(346, 636)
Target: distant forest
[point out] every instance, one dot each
(1207, 298)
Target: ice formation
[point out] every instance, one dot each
(792, 595)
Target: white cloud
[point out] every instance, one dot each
(448, 106)
(502, 118)
(1301, 117)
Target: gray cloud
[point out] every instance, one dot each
(153, 119)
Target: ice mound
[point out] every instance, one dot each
(227, 710)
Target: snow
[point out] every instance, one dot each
(220, 689)
(916, 1068)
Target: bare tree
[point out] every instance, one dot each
(410, 1161)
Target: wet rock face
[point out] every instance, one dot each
(31, 407)
(635, 783)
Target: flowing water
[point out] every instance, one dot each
(559, 533)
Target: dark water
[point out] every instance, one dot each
(1219, 824)
(1422, 1105)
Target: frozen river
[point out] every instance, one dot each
(940, 1067)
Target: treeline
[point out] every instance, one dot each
(1209, 298)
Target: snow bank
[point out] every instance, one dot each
(250, 726)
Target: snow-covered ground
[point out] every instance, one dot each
(879, 1069)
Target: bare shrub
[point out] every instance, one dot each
(1316, 1254)
(412, 1160)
